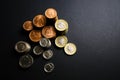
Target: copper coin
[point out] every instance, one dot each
(49, 32)
(28, 25)
(50, 13)
(39, 21)
(35, 35)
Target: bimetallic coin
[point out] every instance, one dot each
(70, 48)
(49, 32)
(28, 25)
(35, 35)
(51, 13)
(48, 54)
(61, 41)
(22, 46)
(37, 50)
(61, 25)
(39, 21)
(26, 61)
(49, 67)
(44, 42)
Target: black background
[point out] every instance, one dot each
(94, 26)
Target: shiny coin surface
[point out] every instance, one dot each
(48, 54)
(37, 50)
(26, 61)
(27, 26)
(49, 67)
(70, 48)
(39, 21)
(61, 41)
(51, 13)
(44, 42)
(49, 32)
(61, 25)
(22, 46)
(35, 35)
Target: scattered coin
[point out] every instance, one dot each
(27, 26)
(49, 67)
(44, 42)
(51, 13)
(48, 54)
(70, 48)
(26, 61)
(37, 50)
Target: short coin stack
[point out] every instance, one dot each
(41, 30)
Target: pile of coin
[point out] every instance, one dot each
(41, 29)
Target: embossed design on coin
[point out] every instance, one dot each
(48, 54)
(44, 42)
(27, 26)
(37, 50)
(51, 13)
(49, 67)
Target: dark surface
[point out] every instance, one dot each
(94, 26)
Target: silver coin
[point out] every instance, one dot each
(44, 42)
(48, 54)
(26, 61)
(22, 46)
(37, 50)
(49, 67)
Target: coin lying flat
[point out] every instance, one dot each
(61, 41)
(49, 67)
(51, 13)
(35, 35)
(37, 50)
(39, 21)
(22, 46)
(27, 26)
(48, 54)
(70, 48)
(26, 61)
(44, 42)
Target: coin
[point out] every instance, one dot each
(39, 21)
(26, 61)
(44, 42)
(35, 35)
(61, 41)
(70, 48)
(51, 13)
(27, 26)
(49, 67)
(22, 46)
(49, 32)
(47, 54)
(37, 50)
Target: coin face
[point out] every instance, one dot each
(47, 54)
(49, 67)
(37, 50)
(44, 42)
(39, 21)
(50, 13)
(28, 25)
(61, 25)
(35, 35)
(49, 32)
(70, 48)
(61, 41)
(22, 46)
(26, 61)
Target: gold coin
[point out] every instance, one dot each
(51, 13)
(70, 48)
(28, 25)
(61, 41)
(39, 21)
(49, 32)
(35, 35)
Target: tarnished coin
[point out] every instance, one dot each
(61, 25)
(51, 13)
(37, 50)
(49, 67)
(61, 41)
(44, 42)
(70, 48)
(27, 26)
(35, 35)
(48, 54)
(26, 61)
(49, 32)
(39, 21)
(22, 46)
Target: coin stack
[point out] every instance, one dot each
(42, 28)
